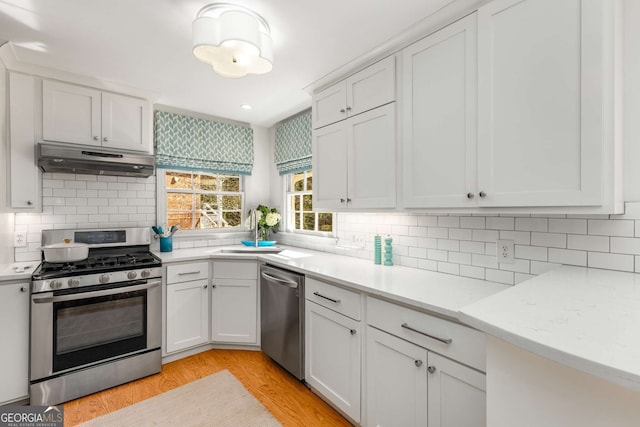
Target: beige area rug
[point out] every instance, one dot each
(217, 400)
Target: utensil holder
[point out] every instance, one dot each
(166, 244)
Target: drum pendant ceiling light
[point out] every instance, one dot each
(233, 39)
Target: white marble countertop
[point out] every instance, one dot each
(587, 319)
(439, 293)
(17, 271)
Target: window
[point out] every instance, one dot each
(198, 200)
(300, 215)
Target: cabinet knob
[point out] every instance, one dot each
(418, 363)
(469, 195)
(342, 110)
(342, 200)
(204, 287)
(348, 200)
(483, 194)
(29, 202)
(105, 139)
(348, 108)
(213, 286)
(23, 289)
(431, 369)
(352, 331)
(95, 138)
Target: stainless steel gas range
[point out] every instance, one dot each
(95, 323)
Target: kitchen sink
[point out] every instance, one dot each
(251, 249)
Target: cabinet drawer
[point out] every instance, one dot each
(466, 346)
(334, 298)
(186, 272)
(235, 270)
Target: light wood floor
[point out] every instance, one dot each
(287, 399)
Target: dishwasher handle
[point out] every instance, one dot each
(285, 282)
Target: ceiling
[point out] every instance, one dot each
(147, 44)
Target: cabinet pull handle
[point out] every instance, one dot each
(483, 194)
(352, 331)
(29, 202)
(188, 272)
(442, 340)
(95, 138)
(431, 369)
(23, 289)
(418, 363)
(469, 195)
(336, 301)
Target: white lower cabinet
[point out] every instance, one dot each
(187, 307)
(14, 360)
(234, 302)
(408, 383)
(332, 359)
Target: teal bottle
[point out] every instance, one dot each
(388, 251)
(377, 246)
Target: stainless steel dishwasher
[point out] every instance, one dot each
(282, 318)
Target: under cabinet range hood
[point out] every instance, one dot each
(93, 161)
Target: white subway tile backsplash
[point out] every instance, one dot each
(427, 264)
(521, 277)
(485, 235)
(620, 228)
(518, 265)
(573, 226)
(500, 276)
(449, 221)
(518, 237)
(438, 232)
(460, 234)
(449, 245)
(484, 261)
(472, 222)
(417, 252)
(554, 240)
(567, 256)
(402, 230)
(459, 258)
(427, 242)
(531, 252)
(437, 255)
(540, 267)
(532, 224)
(611, 261)
(418, 231)
(449, 268)
(471, 271)
(588, 243)
(472, 247)
(427, 221)
(625, 245)
(500, 223)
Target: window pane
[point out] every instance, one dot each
(297, 221)
(306, 203)
(185, 219)
(233, 219)
(207, 219)
(179, 202)
(296, 203)
(231, 203)
(206, 182)
(229, 183)
(178, 180)
(297, 181)
(207, 202)
(309, 221)
(309, 181)
(325, 221)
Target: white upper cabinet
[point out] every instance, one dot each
(354, 162)
(439, 118)
(545, 103)
(24, 176)
(370, 88)
(82, 115)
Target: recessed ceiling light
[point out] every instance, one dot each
(246, 106)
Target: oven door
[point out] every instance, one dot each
(84, 328)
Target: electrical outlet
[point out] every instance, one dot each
(20, 240)
(504, 251)
(358, 240)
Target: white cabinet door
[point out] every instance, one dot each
(234, 308)
(187, 314)
(329, 106)
(14, 360)
(372, 87)
(24, 178)
(332, 357)
(396, 381)
(70, 113)
(457, 394)
(540, 102)
(371, 172)
(125, 122)
(330, 167)
(439, 118)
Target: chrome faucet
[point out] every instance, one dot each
(253, 219)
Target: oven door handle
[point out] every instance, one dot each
(84, 295)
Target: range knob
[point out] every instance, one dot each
(145, 273)
(132, 275)
(73, 283)
(56, 284)
(104, 278)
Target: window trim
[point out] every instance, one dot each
(161, 203)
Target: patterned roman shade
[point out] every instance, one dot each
(185, 142)
(293, 144)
